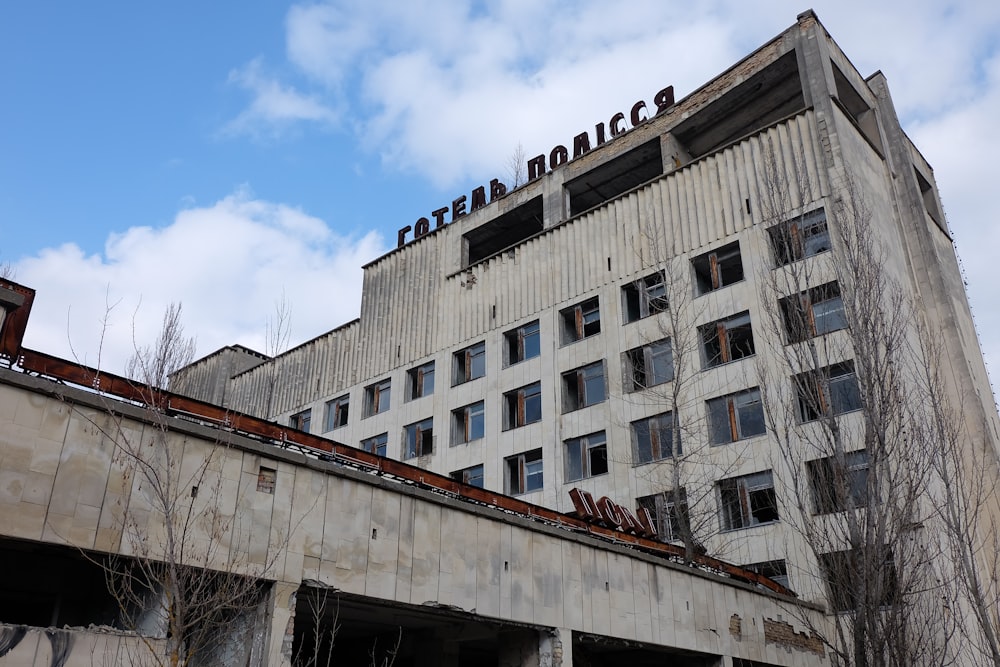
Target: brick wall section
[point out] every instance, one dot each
(779, 632)
(736, 626)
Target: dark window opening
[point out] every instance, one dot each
(419, 439)
(653, 438)
(666, 509)
(504, 231)
(857, 110)
(649, 365)
(301, 421)
(727, 340)
(420, 381)
(583, 387)
(814, 312)
(586, 456)
(800, 237)
(775, 570)
(469, 364)
(472, 476)
(580, 321)
(376, 444)
(735, 417)
(523, 343)
(845, 570)
(337, 412)
(930, 200)
(839, 485)
(829, 391)
(748, 501)
(468, 423)
(644, 297)
(523, 472)
(718, 268)
(523, 406)
(615, 177)
(377, 397)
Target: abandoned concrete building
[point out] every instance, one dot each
(627, 325)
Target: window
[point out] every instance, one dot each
(523, 472)
(727, 340)
(472, 476)
(718, 268)
(664, 508)
(523, 406)
(336, 412)
(301, 421)
(377, 397)
(802, 237)
(419, 439)
(581, 321)
(839, 486)
(735, 417)
(653, 438)
(814, 312)
(748, 501)
(649, 365)
(523, 343)
(843, 570)
(420, 381)
(376, 445)
(266, 479)
(828, 391)
(586, 456)
(583, 387)
(644, 297)
(468, 423)
(470, 364)
(775, 570)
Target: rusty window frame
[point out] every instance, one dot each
(378, 397)
(830, 391)
(727, 340)
(641, 368)
(301, 421)
(522, 343)
(644, 297)
(338, 412)
(468, 423)
(473, 475)
(799, 312)
(804, 236)
(420, 381)
(747, 501)
(469, 364)
(377, 444)
(664, 508)
(520, 406)
(586, 456)
(524, 473)
(418, 439)
(715, 269)
(736, 417)
(581, 320)
(584, 386)
(653, 438)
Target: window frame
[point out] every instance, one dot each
(517, 347)
(520, 471)
(376, 444)
(587, 452)
(644, 297)
(737, 428)
(467, 362)
(855, 475)
(463, 423)
(516, 405)
(418, 439)
(711, 268)
(663, 507)
(378, 397)
(337, 412)
(821, 393)
(800, 237)
(798, 312)
(580, 321)
(662, 427)
(639, 365)
(417, 381)
(301, 420)
(729, 334)
(776, 570)
(578, 387)
(746, 488)
(468, 476)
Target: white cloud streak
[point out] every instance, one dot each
(228, 264)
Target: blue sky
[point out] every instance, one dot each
(223, 154)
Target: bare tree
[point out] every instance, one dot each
(516, 167)
(845, 407)
(277, 329)
(188, 572)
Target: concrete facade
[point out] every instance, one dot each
(798, 104)
(392, 546)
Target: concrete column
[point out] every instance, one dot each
(556, 648)
(544, 648)
(282, 626)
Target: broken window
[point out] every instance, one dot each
(615, 177)
(735, 417)
(653, 438)
(377, 397)
(813, 312)
(586, 456)
(748, 501)
(827, 391)
(583, 387)
(727, 340)
(472, 476)
(266, 479)
(376, 444)
(468, 423)
(418, 439)
(523, 472)
(504, 231)
(523, 406)
(420, 381)
(801, 237)
(470, 364)
(644, 297)
(336, 412)
(718, 268)
(649, 365)
(775, 570)
(580, 321)
(839, 485)
(664, 507)
(845, 571)
(301, 421)
(523, 343)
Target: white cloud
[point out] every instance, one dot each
(227, 263)
(275, 106)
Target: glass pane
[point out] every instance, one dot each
(477, 421)
(844, 394)
(532, 475)
(574, 461)
(829, 315)
(643, 444)
(749, 414)
(532, 404)
(718, 421)
(662, 362)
